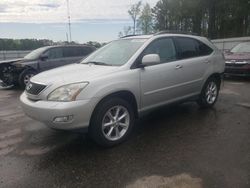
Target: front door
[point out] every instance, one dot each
(55, 59)
(159, 83)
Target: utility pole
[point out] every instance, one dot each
(70, 39)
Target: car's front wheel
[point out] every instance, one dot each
(209, 93)
(112, 122)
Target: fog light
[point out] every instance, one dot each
(63, 119)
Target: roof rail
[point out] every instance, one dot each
(129, 36)
(175, 32)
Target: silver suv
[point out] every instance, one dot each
(123, 80)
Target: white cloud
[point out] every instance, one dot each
(51, 11)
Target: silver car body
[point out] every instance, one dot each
(151, 86)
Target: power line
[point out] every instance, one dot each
(69, 23)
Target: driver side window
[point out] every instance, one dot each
(164, 48)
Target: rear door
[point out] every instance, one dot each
(55, 59)
(194, 61)
(74, 54)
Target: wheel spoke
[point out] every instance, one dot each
(108, 124)
(123, 125)
(122, 116)
(208, 98)
(110, 131)
(111, 117)
(117, 112)
(117, 132)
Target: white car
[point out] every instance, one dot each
(123, 80)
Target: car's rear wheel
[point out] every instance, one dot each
(112, 122)
(209, 93)
(25, 77)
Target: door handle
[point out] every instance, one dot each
(178, 66)
(207, 61)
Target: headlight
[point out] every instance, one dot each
(67, 92)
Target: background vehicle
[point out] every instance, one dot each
(238, 60)
(19, 71)
(122, 81)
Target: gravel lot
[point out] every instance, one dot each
(172, 147)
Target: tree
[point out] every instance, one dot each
(212, 18)
(134, 12)
(94, 43)
(145, 23)
(126, 31)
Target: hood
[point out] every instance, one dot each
(11, 60)
(73, 73)
(18, 61)
(237, 56)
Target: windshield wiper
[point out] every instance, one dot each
(98, 63)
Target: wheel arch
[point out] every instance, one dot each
(217, 76)
(123, 94)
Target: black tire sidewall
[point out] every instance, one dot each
(96, 121)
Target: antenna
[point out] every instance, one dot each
(69, 21)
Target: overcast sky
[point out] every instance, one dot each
(91, 19)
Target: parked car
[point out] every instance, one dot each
(122, 81)
(19, 71)
(238, 60)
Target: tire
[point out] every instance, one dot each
(105, 126)
(209, 93)
(25, 76)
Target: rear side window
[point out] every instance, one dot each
(164, 48)
(76, 51)
(86, 51)
(71, 52)
(190, 48)
(204, 49)
(187, 47)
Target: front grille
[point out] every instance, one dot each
(34, 88)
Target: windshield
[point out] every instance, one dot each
(35, 54)
(241, 48)
(116, 53)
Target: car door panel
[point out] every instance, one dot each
(159, 82)
(194, 66)
(55, 59)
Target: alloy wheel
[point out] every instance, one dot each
(115, 123)
(27, 78)
(211, 92)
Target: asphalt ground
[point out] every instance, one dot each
(180, 146)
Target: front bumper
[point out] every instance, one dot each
(238, 70)
(48, 111)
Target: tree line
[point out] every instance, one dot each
(23, 44)
(32, 44)
(211, 18)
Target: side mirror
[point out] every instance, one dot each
(44, 57)
(150, 59)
